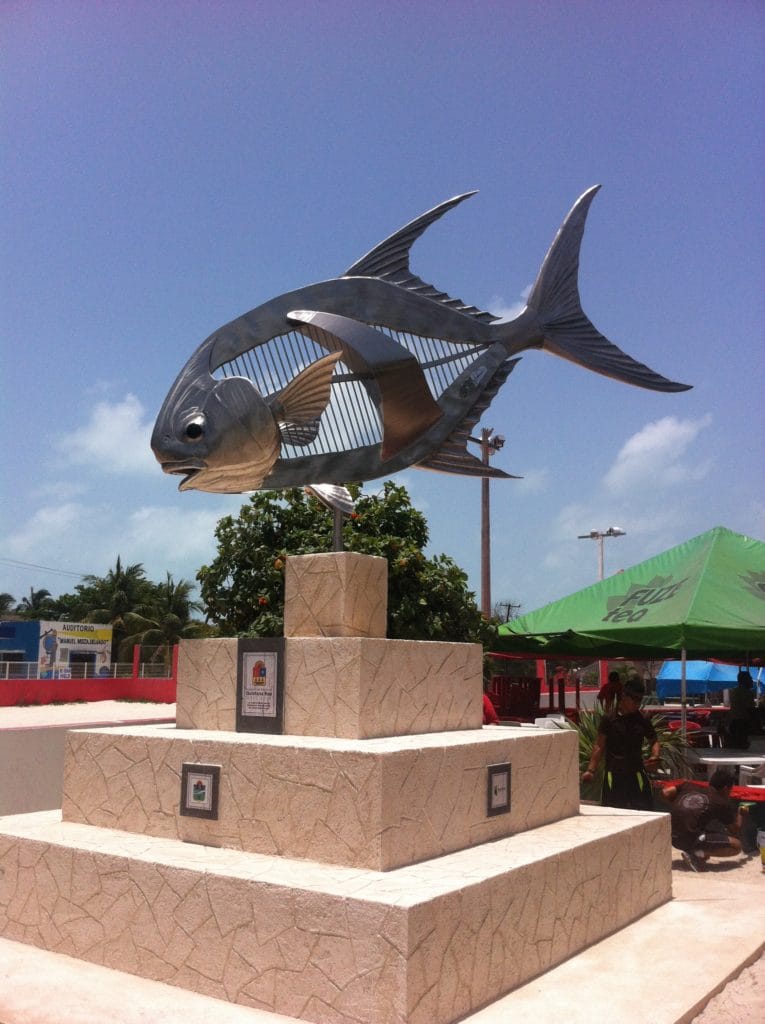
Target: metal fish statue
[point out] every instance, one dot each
(369, 373)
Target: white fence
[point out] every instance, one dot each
(119, 670)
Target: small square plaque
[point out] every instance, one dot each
(260, 685)
(498, 794)
(199, 790)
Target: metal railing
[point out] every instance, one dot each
(118, 670)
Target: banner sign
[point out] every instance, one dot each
(65, 643)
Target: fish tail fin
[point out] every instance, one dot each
(565, 328)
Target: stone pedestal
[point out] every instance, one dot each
(354, 871)
(338, 594)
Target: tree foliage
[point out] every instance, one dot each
(140, 612)
(166, 619)
(39, 605)
(243, 588)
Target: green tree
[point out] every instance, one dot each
(243, 588)
(7, 603)
(166, 621)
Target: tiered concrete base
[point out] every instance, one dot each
(423, 944)
(421, 897)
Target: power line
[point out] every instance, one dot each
(15, 564)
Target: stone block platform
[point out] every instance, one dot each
(423, 944)
(377, 804)
(351, 687)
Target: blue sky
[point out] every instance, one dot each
(167, 167)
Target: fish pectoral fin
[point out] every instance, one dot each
(307, 395)
(300, 434)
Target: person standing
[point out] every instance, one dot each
(742, 712)
(609, 693)
(621, 735)
(490, 716)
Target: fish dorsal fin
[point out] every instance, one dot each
(389, 261)
(306, 396)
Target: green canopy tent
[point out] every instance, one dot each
(704, 598)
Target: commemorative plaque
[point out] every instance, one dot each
(260, 685)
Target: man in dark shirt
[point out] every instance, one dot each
(701, 817)
(609, 693)
(621, 735)
(742, 712)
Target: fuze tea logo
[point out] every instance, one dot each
(640, 598)
(755, 583)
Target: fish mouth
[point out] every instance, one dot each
(187, 468)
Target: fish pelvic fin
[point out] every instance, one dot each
(334, 496)
(301, 403)
(453, 456)
(566, 330)
(389, 261)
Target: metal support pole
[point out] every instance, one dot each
(337, 530)
(485, 530)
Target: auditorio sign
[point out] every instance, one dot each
(63, 644)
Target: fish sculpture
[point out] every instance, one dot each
(366, 374)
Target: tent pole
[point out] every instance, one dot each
(683, 689)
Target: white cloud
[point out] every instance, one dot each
(652, 458)
(498, 307)
(115, 439)
(63, 536)
(75, 538)
(175, 539)
(533, 481)
(45, 529)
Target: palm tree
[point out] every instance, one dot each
(7, 603)
(36, 606)
(122, 591)
(166, 622)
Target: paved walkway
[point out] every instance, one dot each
(94, 713)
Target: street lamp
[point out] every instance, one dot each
(490, 443)
(599, 535)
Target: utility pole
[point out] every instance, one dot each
(490, 443)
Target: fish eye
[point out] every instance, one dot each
(195, 429)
